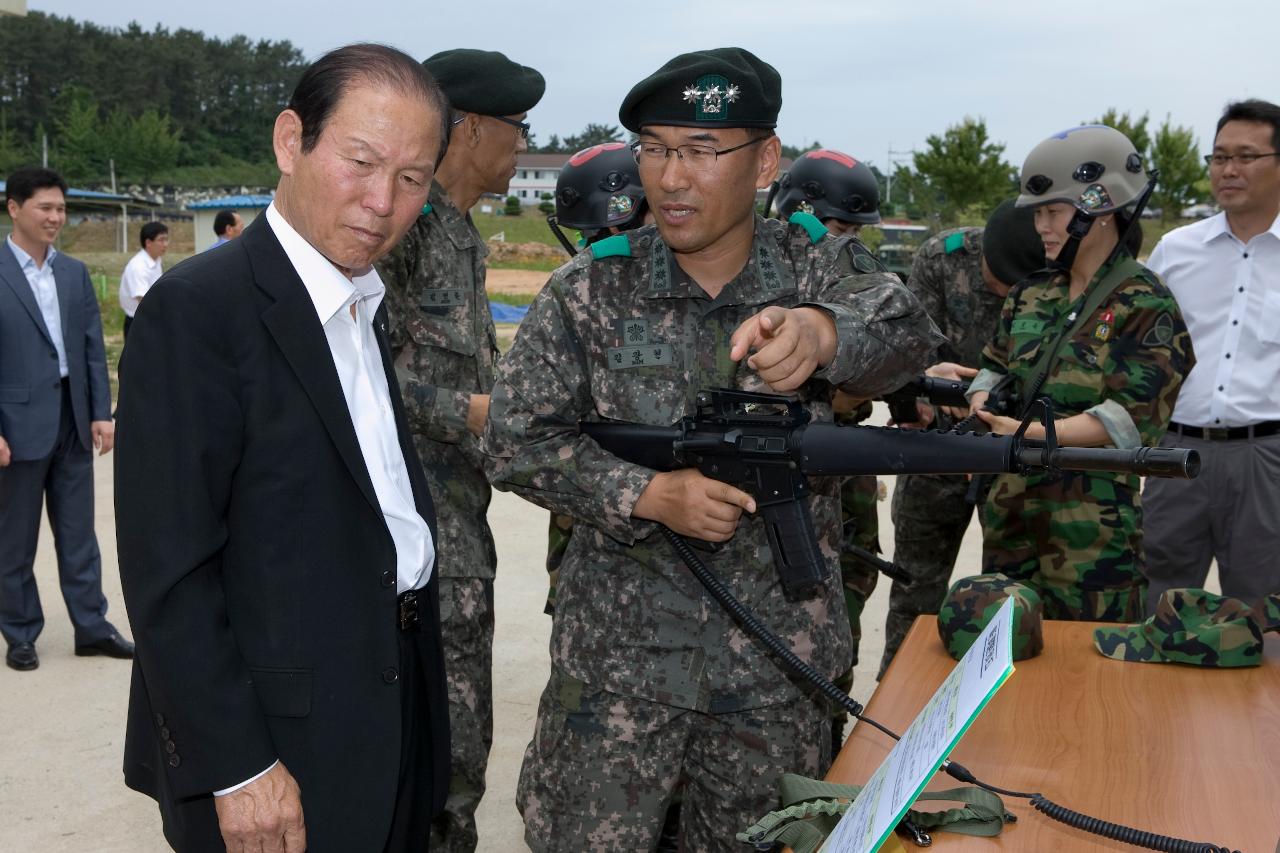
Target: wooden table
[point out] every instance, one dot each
(1178, 750)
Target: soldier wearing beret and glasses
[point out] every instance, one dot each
(446, 352)
(654, 691)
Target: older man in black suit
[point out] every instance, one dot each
(55, 407)
(276, 536)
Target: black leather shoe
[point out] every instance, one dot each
(112, 645)
(22, 656)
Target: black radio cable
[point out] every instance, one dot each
(753, 626)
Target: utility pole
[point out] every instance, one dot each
(112, 161)
(888, 175)
(44, 150)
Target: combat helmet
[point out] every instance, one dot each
(598, 189)
(1093, 168)
(830, 185)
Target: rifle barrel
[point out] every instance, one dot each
(1171, 462)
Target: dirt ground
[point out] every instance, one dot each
(515, 282)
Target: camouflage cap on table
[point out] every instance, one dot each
(972, 602)
(1190, 626)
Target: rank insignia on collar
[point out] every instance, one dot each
(711, 97)
(1106, 323)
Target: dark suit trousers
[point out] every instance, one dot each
(65, 479)
(411, 822)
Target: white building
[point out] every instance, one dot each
(536, 174)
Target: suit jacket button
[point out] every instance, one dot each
(159, 719)
(170, 747)
(388, 579)
(57, 385)
(164, 733)
(390, 676)
(174, 761)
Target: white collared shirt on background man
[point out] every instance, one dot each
(45, 289)
(1229, 294)
(139, 274)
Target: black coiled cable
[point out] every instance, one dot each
(753, 626)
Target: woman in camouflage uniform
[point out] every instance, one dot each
(1077, 536)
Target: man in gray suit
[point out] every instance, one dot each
(55, 407)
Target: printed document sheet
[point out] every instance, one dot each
(928, 740)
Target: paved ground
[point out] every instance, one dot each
(62, 726)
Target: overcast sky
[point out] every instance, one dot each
(858, 76)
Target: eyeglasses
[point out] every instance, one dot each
(1220, 160)
(700, 158)
(522, 126)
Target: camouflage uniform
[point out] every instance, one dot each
(653, 685)
(1076, 537)
(445, 349)
(559, 530)
(930, 513)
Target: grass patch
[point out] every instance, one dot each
(529, 227)
(535, 264)
(513, 298)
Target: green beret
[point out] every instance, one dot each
(973, 602)
(725, 87)
(1194, 627)
(486, 82)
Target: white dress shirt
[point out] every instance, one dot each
(1229, 293)
(364, 385)
(45, 289)
(139, 274)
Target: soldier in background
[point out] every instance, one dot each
(445, 352)
(843, 193)
(598, 194)
(961, 276)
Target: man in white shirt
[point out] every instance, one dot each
(276, 535)
(1225, 273)
(143, 269)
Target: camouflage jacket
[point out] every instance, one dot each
(1124, 365)
(620, 333)
(946, 277)
(445, 349)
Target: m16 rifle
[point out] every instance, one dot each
(766, 445)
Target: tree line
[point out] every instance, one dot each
(173, 106)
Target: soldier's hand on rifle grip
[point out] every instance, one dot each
(693, 505)
(956, 373)
(789, 344)
(977, 401)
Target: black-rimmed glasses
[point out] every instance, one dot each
(1219, 160)
(700, 158)
(522, 126)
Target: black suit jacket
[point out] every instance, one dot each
(257, 568)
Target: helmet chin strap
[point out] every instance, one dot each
(1077, 229)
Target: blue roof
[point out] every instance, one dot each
(89, 194)
(230, 202)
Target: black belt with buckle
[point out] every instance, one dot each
(1261, 430)
(407, 604)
